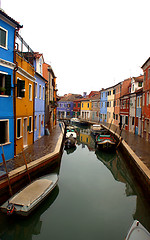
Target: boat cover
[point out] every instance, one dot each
(29, 194)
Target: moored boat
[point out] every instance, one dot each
(105, 142)
(26, 200)
(137, 232)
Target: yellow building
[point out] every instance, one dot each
(24, 103)
(110, 104)
(86, 107)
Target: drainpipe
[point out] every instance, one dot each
(14, 92)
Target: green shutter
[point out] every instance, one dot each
(8, 85)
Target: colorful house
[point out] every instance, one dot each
(50, 101)
(95, 108)
(138, 119)
(8, 28)
(124, 103)
(24, 95)
(110, 104)
(103, 105)
(76, 108)
(66, 105)
(117, 89)
(39, 97)
(146, 101)
(136, 84)
(86, 107)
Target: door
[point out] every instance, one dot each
(24, 132)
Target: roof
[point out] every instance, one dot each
(10, 19)
(146, 62)
(70, 97)
(139, 78)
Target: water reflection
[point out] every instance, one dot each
(121, 173)
(15, 227)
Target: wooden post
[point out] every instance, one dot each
(3, 157)
(26, 165)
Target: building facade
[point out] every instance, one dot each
(8, 28)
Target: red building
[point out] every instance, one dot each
(146, 101)
(76, 108)
(125, 103)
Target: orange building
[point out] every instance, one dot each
(23, 102)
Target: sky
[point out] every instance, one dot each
(90, 44)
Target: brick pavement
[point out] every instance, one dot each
(40, 148)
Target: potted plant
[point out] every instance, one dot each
(2, 90)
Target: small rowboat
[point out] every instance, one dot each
(105, 142)
(137, 232)
(26, 200)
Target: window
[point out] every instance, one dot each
(88, 105)
(30, 124)
(126, 120)
(35, 90)
(5, 84)
(78, 104)
(147, 98)
(116, 116)
(20, 88)
(43, 92)
(140, 83)
(3, 37)
(138, 104)
(39, 91)
(19, 128)
(82, 105)
(68, 105)
(68, 113)
(35, 123)
(4, 133)
(143, 99)
(30, 92)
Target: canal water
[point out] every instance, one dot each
(96, 198)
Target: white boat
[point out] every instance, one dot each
(71, 132)
(26, 200)
(137, 232)
(75, 120)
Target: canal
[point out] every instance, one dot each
(96, 198)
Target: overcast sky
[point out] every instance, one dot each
(90, 44)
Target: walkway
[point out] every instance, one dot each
(40, 148)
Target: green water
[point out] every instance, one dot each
(96, 198)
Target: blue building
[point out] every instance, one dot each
(103, 106)
(138, 122)
(39, 102)
(8, 26)
(66, 105)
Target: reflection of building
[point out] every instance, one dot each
(85, 138)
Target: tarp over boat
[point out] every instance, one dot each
(32, 192)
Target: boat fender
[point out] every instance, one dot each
(10, 208)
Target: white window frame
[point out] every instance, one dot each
(43, 92)
(7, 130)
(36, 85)
(31, 124)
(20, 128)
(6, 42)
(35, 123)
(40, 91)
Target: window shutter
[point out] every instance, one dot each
(8, 85)
(22, 94)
